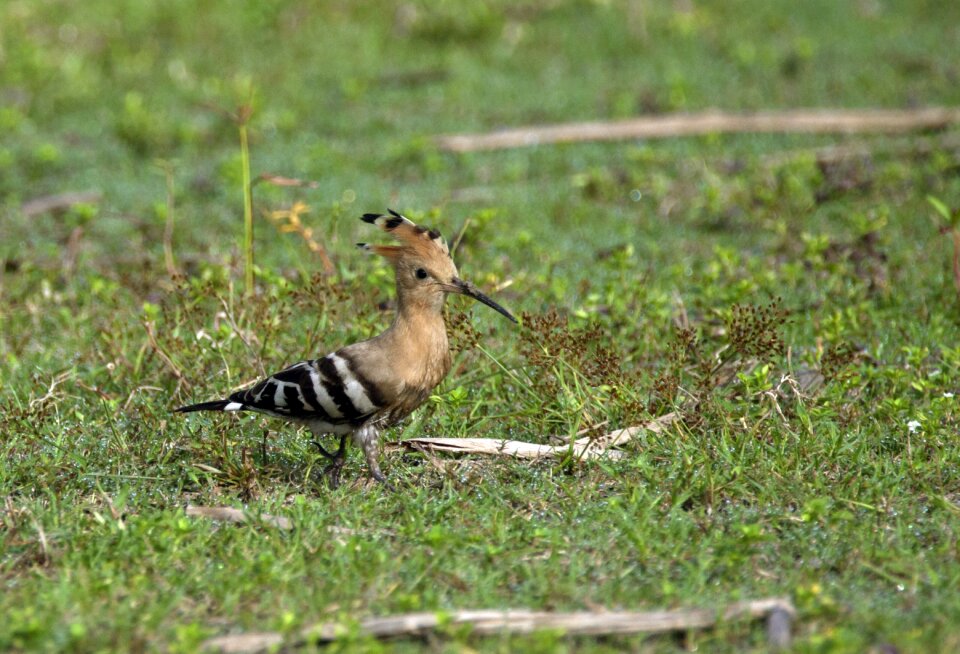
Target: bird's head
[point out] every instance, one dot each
(424, 268)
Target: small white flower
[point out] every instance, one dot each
(948, 395)
(913, 426)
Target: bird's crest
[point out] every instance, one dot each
(413, 238)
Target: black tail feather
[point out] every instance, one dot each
(216, 405)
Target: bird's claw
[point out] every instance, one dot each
(337, 460)
(332, 472)
(323, 450)
(381, 478)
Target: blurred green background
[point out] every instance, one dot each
(350, 94)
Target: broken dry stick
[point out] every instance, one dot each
(230, 514)
(812, 121)
(60, 202)
(588, 447)
(523, 621)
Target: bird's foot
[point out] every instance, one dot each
(337, 461)
(323, 451)
(381, 478)
(332, 472)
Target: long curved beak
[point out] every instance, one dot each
(466, 288)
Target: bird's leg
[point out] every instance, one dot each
(367, 439)
(322, 449)
(336, 461)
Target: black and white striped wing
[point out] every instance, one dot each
(325, 390)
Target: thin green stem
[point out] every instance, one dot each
(247, 212)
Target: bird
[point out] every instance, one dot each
(363, 388)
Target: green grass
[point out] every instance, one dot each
(632, 263)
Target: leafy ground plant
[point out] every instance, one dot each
(796, 308)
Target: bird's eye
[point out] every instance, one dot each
(421, 273)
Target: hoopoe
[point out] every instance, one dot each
(365, 387)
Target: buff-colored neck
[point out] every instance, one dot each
(418, 341)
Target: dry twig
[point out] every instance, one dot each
(812, 121)
(51, 390)
(59, 202)
(230, 514)
(588, 447)
(522, 621)
(288, 221)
